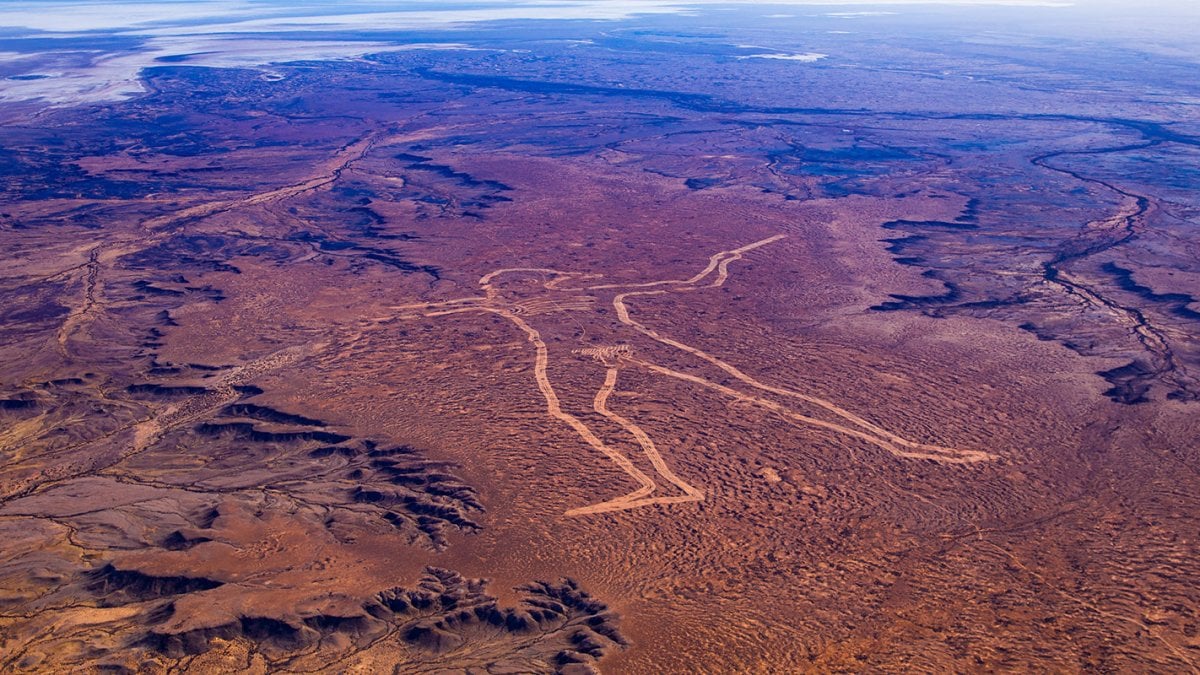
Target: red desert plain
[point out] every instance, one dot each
(658, 338)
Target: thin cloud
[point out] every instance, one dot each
(246, 33)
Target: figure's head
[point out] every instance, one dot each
(524, 281)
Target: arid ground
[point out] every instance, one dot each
(825, 341)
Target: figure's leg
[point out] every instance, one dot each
(554, 409)
(860, 427)
(623, 502)
(865, 429)
(648, 447)
(691, 494)
(886, 441)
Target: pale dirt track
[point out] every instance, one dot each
(852, 425)
(159, 228)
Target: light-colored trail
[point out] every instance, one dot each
(690, 493)
(160, 227)
(325, 174)
(91, 292)
(485, 281)
(951, 456)
(717, 261)
(554, 409)
(720, 262)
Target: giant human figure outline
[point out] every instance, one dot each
(614, 357)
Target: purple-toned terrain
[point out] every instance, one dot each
(630, 337)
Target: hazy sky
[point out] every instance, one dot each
(68, 16)
(249, 33)
(198, 16)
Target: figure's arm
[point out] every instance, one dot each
(718, 262)
(436, 308)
